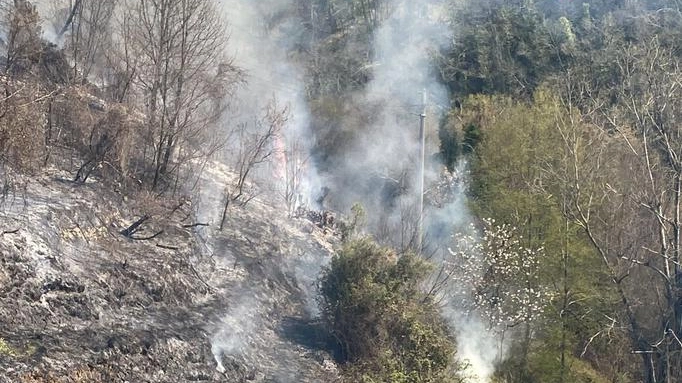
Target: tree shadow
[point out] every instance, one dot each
(309, 333)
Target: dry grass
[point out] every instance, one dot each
(22, 124)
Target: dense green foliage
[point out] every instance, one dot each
(578, 147)
(386, 328)
(514, 180)
(499, 48)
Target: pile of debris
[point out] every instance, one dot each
(324, 219)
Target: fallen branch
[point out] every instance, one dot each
(10, 231)
(146, 238)
(167, 247)
(195, 225)
(134, 227)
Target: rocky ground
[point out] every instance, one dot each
(80, 302)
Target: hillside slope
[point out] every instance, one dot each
(80, 302)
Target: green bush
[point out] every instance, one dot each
(387, 330)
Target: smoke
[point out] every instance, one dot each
(233, 332)
(262, 37)
(380, 169)
(53, 15)
(477, 347)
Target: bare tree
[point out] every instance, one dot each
(75, 9)
(255, 146)
(176, 47)
(21, 27)
(89, 32)
(623, 186)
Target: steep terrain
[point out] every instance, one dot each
(80, 302)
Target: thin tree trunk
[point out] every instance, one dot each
(69, 20)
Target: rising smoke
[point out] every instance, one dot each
(380, 168)
(52, 13)
(231, 337)
(262, 36)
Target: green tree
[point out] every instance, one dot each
(501, 48)
(514, 181)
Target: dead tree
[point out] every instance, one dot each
(255, 147)
(74, 9)
(177, 47)
(296, 160)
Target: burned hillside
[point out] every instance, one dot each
(82, 302)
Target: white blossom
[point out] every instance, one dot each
(498, 276)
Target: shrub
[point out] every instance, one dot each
(387, 330)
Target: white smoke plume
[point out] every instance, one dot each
(477, 348)
(381, 170)
(262, 34)
(232, 334)
(53, 15)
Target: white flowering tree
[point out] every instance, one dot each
(498, 276)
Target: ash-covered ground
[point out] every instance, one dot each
(176, 301)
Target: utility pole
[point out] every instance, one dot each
(422, 149)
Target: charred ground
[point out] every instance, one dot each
(80, 302)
